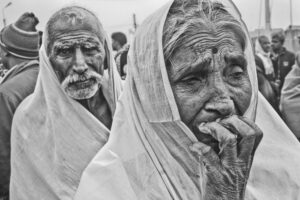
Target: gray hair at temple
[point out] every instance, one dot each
(187, 17)
(72, 17)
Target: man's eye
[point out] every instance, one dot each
(64, 52)
(90, 50)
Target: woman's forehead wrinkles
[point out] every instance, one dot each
(193, 60)
(206, 40)
(191, 63)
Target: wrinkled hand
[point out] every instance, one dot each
(227, 172)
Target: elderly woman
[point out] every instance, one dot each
(187, 124)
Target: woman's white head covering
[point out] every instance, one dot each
(148, 156)
(54, 137)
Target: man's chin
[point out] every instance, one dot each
(82, 93)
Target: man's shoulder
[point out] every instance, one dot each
(289, 54)
(21, 85)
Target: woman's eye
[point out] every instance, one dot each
(236, 72)
(191, 79)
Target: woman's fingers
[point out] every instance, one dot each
(249, 136)
(227, 142)
(207, 155)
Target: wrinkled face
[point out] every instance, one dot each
(78, 58)
(209, 78)
(276, 44)
(265, 44)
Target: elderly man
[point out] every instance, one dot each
(19, 57)
(185, 127)
(60, 127)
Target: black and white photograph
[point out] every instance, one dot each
(150, 100)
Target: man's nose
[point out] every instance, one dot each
(79, 65)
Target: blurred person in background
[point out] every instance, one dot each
(282, 59)
(119, 44)
(290, 98)
(265, 70)
(19, 46)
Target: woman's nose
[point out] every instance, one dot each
(220, 106)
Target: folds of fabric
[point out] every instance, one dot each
(290, 100)
(147, 156)
(54, 137)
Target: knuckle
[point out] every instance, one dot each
(231, 139)
(205, 150)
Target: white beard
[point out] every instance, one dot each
(85, 92)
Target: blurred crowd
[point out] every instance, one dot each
(277, 76)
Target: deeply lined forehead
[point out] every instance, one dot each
(187, 20)
(71, 19)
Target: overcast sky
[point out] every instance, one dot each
(116, 15)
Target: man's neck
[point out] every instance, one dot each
(98, 106)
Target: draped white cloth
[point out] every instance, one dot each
(54, 137)
(290, 100)
(147, 156)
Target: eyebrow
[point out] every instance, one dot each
(71, 42)
(198, 66)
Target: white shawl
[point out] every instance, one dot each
(54, 137)
(147, 156)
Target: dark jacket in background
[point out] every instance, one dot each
(266, 87)
(282, 65)
(16, 86)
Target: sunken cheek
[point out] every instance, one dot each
(242, 95)
(190, 100)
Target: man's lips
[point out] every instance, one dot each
(82, 84)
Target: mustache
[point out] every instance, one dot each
(73, 78)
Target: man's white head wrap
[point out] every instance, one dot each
(53, 136)
(148, 156)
